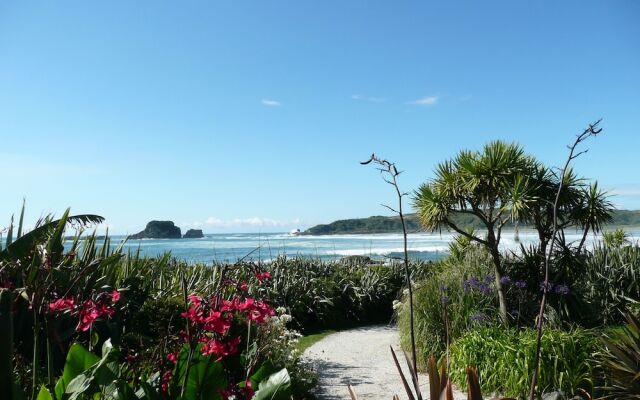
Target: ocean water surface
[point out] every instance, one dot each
(266, 246)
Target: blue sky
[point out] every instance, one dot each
(253, 115)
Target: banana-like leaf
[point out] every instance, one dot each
(78, 361)
(276, 387)
(6, 343)
(44, 394)
(24, 244)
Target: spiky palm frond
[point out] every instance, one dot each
(45, 230)
(622, 362)
(595, 209)
(433, 209)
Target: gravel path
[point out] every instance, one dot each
(361, 357)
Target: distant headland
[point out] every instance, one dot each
(380, 224)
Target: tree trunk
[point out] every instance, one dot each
(502, 300)
(497, 269)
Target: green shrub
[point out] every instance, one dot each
(503, 358)
(621, 361)
(467, 307)
(611, 283)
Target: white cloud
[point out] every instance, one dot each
(252, 222)
(373, 99)
(425, 101)
(271, 103)
(625, 190)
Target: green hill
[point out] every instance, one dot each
(380, 224)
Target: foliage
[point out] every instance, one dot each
(503, 358)
(615, 238)
(468, 306)
(501, 183)
(165, 317)
(621, 361)
(610, 283)
(323, 296)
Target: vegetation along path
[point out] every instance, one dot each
(360, 357)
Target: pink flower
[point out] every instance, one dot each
(261, 276)
(248, 389)
(215, 322)
(88, 314)
(91, 311)
(62, 304)
(172, 357)
(219, 348)
(115, 296)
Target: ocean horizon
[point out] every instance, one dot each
(263, 247)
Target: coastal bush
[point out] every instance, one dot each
(621, 361)
(83, 292)
(461, 284)
(610, 285)
(158, 318)
(323, 296)
(503, 358)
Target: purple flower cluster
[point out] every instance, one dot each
(562, 289)
(479, 317)
(505, 280)
(483, 285)
(559, 289)
(521, 284)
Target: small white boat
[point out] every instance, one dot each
(295, 232)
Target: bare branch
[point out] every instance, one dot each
(592, 130)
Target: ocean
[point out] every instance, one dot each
(266, 246)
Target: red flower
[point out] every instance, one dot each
(219, 348)
(115, 296)
(244, 286)
(261, 276)
(166, 378)
(91, 311)
(248, 389)
(173, 357)
(215, 322)
(194, 299)
(88, 314)
(61, 305)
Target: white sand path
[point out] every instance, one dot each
(361, 357)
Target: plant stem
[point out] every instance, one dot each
(592, 130)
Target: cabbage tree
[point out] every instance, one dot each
(492, 185)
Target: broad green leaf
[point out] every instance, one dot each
(262, 373)
(276, 387)
(206, 377)
(21, 247)
(79, 360)
(6, 340)
(44, 394)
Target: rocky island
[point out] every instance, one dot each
(159, 230)
(193, 234)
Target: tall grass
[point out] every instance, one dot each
(503, 358)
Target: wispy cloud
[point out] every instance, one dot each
(625, 196)
(271, 103)
(373, 99)
(426, 101)
(252, 222)
(626, 190)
